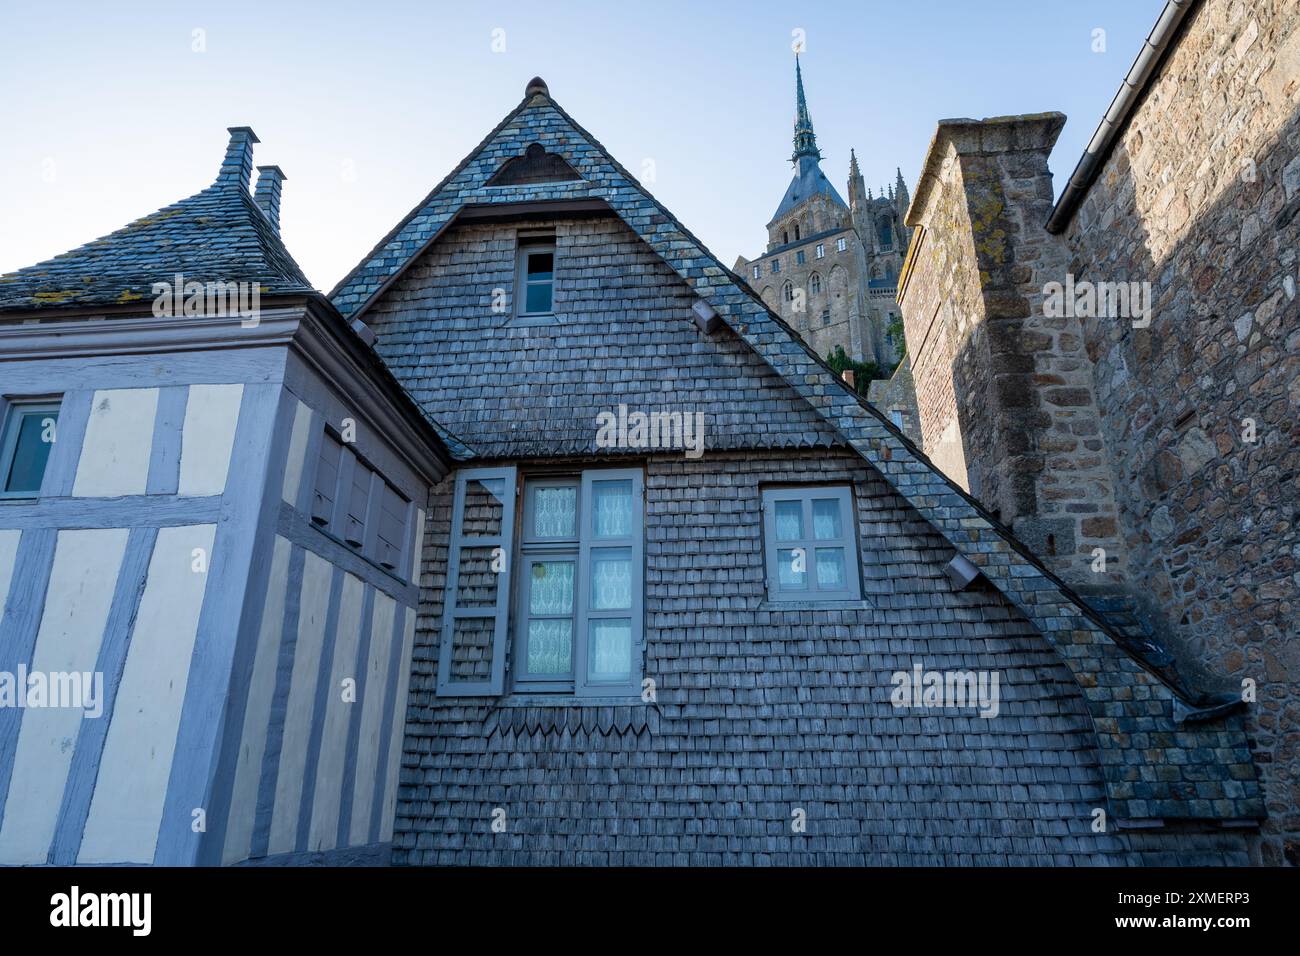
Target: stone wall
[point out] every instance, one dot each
(832, 314)
(1201, 198)
(1172, 445)
(896, 397)
(1006, 382)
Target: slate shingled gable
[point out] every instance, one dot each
(760, 710)
(1155, 766)
(217, 235)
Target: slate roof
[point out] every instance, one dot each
(624, 335)
(1154, 763)
(217, 235)
(809, 180)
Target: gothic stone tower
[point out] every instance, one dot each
(831, 268)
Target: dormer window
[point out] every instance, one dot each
(536, 279)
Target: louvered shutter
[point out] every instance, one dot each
(472, 647)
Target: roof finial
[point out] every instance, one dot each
(853, 164)
(536, 85)
(805, 140)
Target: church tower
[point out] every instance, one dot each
(831, 268)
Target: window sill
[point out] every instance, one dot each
(856, 605)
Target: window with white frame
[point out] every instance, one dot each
(535, 279)
(821, 250)
(575, 574)
(26, 437)
(757, 272)
(841, 244)
(776, 266)
(811, 543)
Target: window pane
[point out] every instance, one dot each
(538, 298)
(830, 569)
(35, 437)
(826, 519)
(551, 589)
(611, 580)
(610, 656)
(555, 512)
(791, 567)
(484, 508)
(550, 647)
(789, 520)
(612, 509)
(540, 265)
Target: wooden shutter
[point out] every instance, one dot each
(358, 501)
(476, 603)
(327, 480)
(633, 544)
(392, 526)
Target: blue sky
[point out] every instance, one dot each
(109, 112)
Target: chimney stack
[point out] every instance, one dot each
(237, 167)
(270, 180)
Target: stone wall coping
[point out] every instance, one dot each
(983, 137)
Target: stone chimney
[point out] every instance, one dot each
(1004, 391)
(270, 183)
(237, 167)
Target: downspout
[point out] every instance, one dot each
(1149, 58)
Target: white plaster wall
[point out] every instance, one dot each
(338, 718)
(127, 806)
(300, 709)
(257, 713)
(372, 705)
(399, 728)
(297, 455)
(119, 438)
(83, 579)
(208, 436)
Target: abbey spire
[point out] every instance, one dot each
(805, 140)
